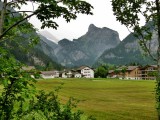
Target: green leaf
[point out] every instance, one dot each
(5, 82)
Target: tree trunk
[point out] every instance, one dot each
(158, 83)
(158, 75)
(158, 61)
(2, 17)
(158, 89)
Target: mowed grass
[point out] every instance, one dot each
(107, 99)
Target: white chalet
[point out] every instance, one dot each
(86, 71)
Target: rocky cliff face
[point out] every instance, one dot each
(97, 40)
(129, 51)
(47, 47)
(86, 49)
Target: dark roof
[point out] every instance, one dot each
(77, 73)
(129, 68)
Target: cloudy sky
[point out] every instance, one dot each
(103, 17)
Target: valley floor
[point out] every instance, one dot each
(108, 99)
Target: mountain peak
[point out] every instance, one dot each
(92, 27)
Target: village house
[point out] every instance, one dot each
(86, 72)
(83, 71)
(134, 72)
(146, 72)
(63, 74)
(112, 74)
(49, 74)
(120, 72)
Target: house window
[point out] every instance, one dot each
(150, 68)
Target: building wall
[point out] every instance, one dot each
(56, 74)
(77, 75)
(145, 73)
(47, 76)
(69, 74)
(133, 74)
(87, 72)
(64, 75)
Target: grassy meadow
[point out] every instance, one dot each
(107, 99)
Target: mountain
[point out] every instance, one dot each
(40, 55)
(86, 49)
(97, 40)
(47, 47)
(128, 51)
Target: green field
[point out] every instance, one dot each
(108, 99)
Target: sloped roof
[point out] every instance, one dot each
(110, 71)
(128, 68)
(82, 67)
(131, 67)
(155, 66)
(121, 67)
(48, 72)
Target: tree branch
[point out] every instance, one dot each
(146, 48)
(158, 25)
(17, 23)
(20, 11)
